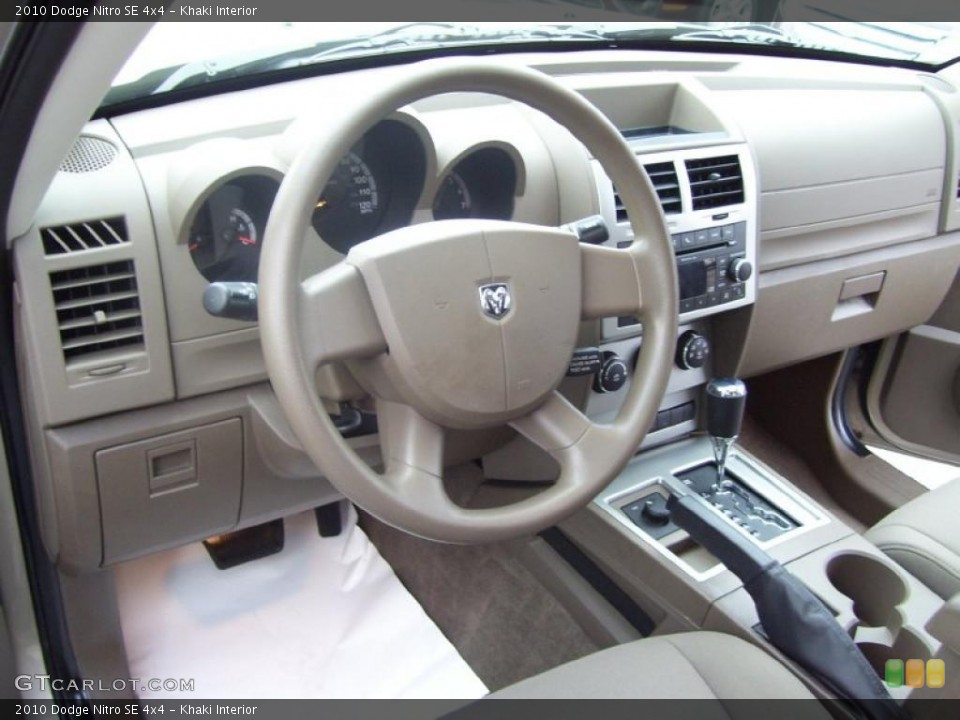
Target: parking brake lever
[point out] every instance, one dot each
(794, 619)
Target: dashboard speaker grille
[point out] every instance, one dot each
(88, 154)
(715, 182)
(83, 236)
(98, 308)
(663, 176)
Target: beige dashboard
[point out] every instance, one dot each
(849, 210)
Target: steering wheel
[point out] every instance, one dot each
(465, 324)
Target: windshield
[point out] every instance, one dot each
(177, 55)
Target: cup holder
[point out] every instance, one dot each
(906, 646)
(875, 588)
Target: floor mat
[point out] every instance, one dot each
(325, 618)
(503, 621)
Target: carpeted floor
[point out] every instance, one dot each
(501, 619)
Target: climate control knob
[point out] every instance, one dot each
(612, 374)
(739, 270)
(692, 350)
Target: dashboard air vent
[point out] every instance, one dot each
(83, 236)
(664, 178)
(715, 182)
(98, 308)
(88, 154)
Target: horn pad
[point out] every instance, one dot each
(480, 316)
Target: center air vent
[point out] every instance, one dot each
(664, 178)
(83, 236)
(98, 308)
(715, 182)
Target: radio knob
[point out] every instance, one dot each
(739, 270)
(612, 375)
(692, 350)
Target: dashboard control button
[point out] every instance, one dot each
(740, 270)
(728, 232)
(612, 375)
(692, 350)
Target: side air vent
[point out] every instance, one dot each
(664, 178)
(83, 236)
(715, 182)
(88, 154)
(97, 308)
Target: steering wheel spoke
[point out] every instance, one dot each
(337, 319)
(555, 426)
(412, 450)
(611, 281)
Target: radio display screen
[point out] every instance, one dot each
(693, 279)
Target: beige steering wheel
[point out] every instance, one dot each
(465, 323)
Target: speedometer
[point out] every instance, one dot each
(349, 210)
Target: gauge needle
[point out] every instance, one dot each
(244, 240)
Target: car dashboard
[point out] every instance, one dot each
(812, 206)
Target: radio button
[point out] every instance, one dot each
(740, 270)
(715, 235)
(701, 237)
(729, 232)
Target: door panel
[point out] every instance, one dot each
(913, 398)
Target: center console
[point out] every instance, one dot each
(632, 534)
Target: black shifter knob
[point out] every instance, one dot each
(726, 399)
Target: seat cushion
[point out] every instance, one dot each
(923, 537)
(696, 665)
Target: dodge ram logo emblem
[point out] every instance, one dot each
(495, 300)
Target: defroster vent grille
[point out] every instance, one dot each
(78, 237)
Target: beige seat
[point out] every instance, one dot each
(923, 536)
(696, 665)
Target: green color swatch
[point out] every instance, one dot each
(893, 673)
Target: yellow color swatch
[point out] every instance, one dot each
(915, 673)
(936, 674)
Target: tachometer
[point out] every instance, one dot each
(224, 240)
(453, 199)
(350, 208)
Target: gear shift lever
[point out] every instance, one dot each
(726, 399)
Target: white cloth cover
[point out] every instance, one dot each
(325, 618)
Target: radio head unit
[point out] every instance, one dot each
(708, 197)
